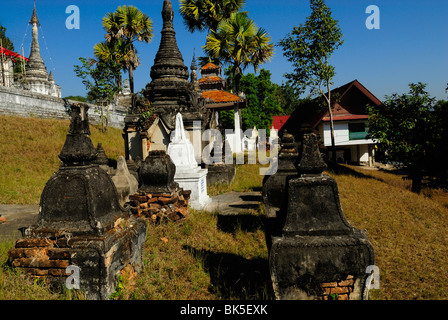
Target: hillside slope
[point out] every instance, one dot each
(29, 154)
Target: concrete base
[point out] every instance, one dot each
(196, 181)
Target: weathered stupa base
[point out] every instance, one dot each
(315, 253)
(320, 267)
(99, 258)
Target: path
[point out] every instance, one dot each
(17, 216)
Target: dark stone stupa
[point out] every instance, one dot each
(170, 90)
(316, 253)
(81, 222)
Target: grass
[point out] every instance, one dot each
(29, 154)
(196, 259)
(407, 231)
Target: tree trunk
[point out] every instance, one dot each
(237, 78)
(417, 179)
(330, 112)
(131, 78)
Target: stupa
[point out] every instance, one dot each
(38, 80)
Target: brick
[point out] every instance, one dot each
(34, 271)
(329, 284)
(345, 283)
(153, 206)
(59, 253)
(22, 252)
(39, 262)
(339, 290)
(138, 198)
(165, 200)
(33, 242)
(343, 297)
(144, 205)
(57, 272)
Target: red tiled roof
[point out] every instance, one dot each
(11, 54)
(210, 79)
(218, 96)
(210, 66)
(279, 121)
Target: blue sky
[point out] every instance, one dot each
(410, 46)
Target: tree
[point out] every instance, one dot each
(200, 15)
(309, 47)
(99, 79)
(128, 25)
(239, 42)
(261, 100)
(408, 131)
(6, 42)
(76, 98)
(112, 53)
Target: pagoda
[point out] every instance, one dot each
(170, 90)
(37, 79)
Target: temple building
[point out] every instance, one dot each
(37, 79)
(8, 59)
(350, 118)
(217, 99)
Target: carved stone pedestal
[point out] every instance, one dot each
(317, 253)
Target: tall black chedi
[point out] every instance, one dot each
(170, 90)
(316, 245)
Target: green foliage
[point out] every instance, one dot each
(310, 46)
(146, 114)
(409, 130)
(98, 78)
(240, 43)
(261, 106)
(6, 42)
(124, 27)
(265, 99)
(76, 98)
(200, 15)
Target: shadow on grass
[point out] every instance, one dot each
(234, 277)
(343, 170)
(245, 222)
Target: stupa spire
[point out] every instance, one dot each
(35, 68)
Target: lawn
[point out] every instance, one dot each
(195, 259)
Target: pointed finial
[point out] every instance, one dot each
(34, 19)
(193, 63)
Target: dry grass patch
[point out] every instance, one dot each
(408, 233)
(30, 149)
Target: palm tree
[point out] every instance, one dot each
(239, 42)
(125, 26)
(202, 15)
(111, 53)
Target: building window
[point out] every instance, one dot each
(357, 131)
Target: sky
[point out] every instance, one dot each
(410, 46)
